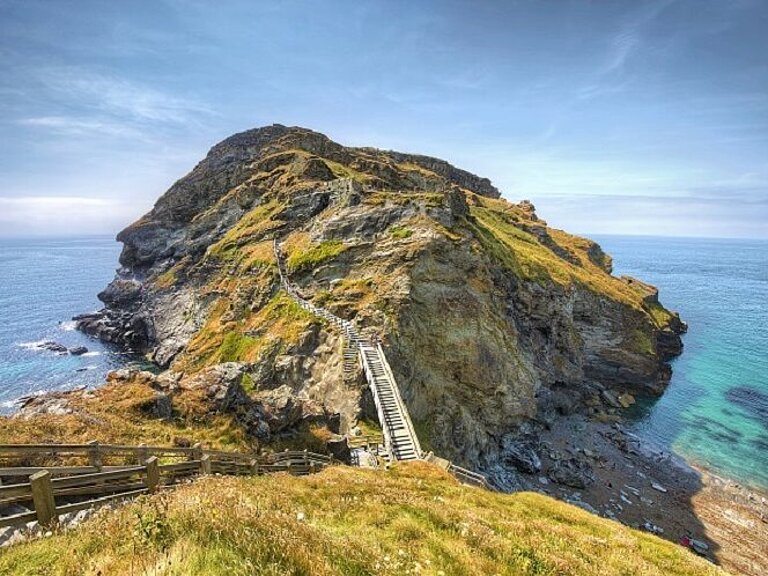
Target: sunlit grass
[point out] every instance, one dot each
(413, 519)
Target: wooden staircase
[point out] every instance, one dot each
(400, 439)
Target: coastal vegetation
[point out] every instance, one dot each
(412, 519)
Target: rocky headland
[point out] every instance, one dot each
(494, 322)
(515, 348)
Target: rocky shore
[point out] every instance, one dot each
(607, 470)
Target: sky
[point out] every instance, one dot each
(613, 117)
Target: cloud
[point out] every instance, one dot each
(81, 102)
(120, 97)
(74, 126)
(610, 77)
(62, 215)
(623, 45)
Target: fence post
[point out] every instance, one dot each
(205, 464)
(42, 497)
(94, 454)
(153, 474)
(142, 454)
(306, 457)
(254, 467)
(197, 451)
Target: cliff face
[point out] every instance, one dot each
(492, 321)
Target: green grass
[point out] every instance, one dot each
(642, 342)
(661, 316)
(400, 232)
(235, 347)
(413, 519)
(314, 255)
(247, 384)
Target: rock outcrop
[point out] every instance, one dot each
(494, 323)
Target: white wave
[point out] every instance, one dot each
(32, 345)
(91, 354)
(68, 326)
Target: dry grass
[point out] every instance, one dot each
(499, 230)
(413, 519)
(116, 413)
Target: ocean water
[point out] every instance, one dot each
(715, 410)
(43, 283)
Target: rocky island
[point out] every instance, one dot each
(515, 349)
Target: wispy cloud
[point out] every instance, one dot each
(84, 102)
(74, 126)
(611, 75)
(623, 45)
(120, 97)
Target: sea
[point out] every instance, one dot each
(43, 284)
(714, 412)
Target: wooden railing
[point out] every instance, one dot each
(97, 484)
(469, 477)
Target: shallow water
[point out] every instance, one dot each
(715, 411)
(43, 283)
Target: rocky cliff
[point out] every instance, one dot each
(493, 322)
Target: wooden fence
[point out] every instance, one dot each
(95, 484)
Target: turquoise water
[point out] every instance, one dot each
(43, 283)
(715, 411)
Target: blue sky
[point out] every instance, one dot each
(625, 117)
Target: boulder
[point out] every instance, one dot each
(626, 400)
(572, 472)
(158, 407)
(78, 350)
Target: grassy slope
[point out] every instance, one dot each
(413, 519)
(115, 413)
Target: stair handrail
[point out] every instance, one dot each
(405, 414)
(379, 407)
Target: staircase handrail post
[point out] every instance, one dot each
(42, 498)
(153, 474)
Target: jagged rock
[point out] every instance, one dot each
(610, 399)
(520, 454)
(700, 547)
(78, 350)
(583, 505)
(282, 408)
(652, 528)
(53, 347)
